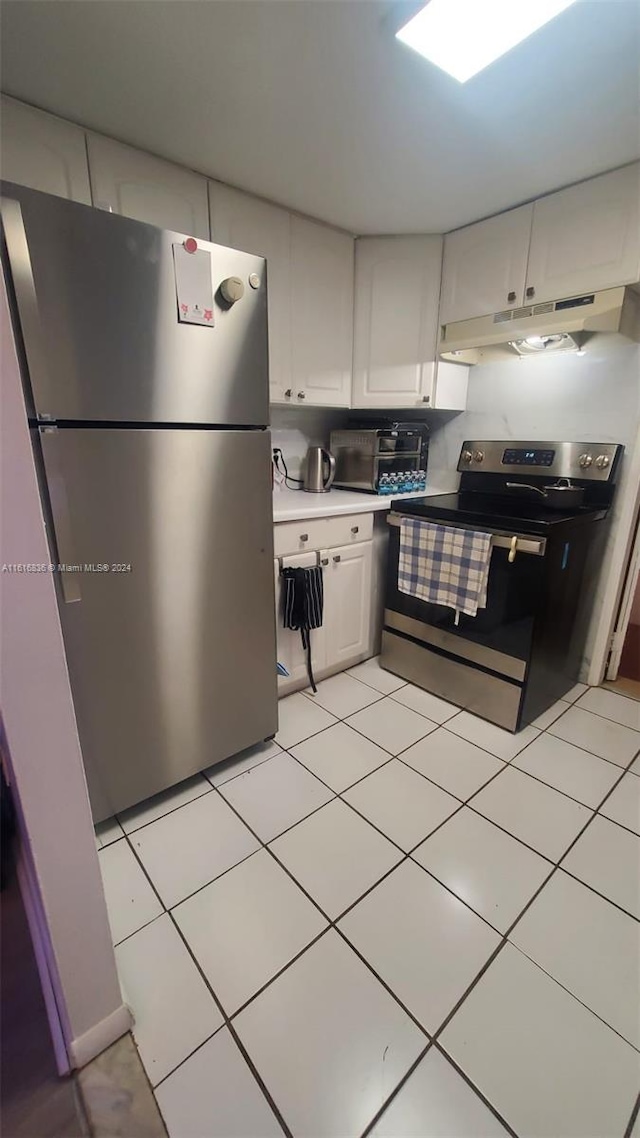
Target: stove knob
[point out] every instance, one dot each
(602, 461)
(478, 456)
(585, 460)
(466, 456)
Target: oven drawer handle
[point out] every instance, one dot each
(523, 543)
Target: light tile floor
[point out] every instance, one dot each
(397, 920)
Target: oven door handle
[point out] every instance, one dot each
(524, 543)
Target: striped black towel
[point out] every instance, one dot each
(303, 606)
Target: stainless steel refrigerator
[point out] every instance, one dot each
(145, 363)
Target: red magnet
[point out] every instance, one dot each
(190, 244)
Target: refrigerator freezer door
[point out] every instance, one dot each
(99, 303)
(171, 641)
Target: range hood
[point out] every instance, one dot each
(543, 328)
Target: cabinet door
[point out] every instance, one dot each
(484, 265)
(255, 226)
(347, 600)
(586, 238)
(289, 644)
(147, 188)
(321, 314)
(450, 387)
(396, 320)
(43, 152)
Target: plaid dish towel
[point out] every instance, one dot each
(445, 566)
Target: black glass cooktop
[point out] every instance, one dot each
(496, 511)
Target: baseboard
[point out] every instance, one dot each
(85, 1048)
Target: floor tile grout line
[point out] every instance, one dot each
(332, 923)
(172, 809)
(631, 1123)
(615, 1030)
(239, 774)
(449, 1058)
(316, 702)
(621, 825)
(434, 1045)
(396, 1091)
(338, 793)
(437, 726)
(234, 1034)
(550, 786)
(597, 892)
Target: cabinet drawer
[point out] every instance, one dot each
(321, 533)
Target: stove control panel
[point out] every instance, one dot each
(592, 461)
(518, 456)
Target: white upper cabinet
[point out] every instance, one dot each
(255, 226)
(396, 321)
(586, 237)
(138, 185)
(485, 266)
(321, 314)
(44, 152)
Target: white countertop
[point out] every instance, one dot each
(296, 505)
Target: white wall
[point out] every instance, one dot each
(591, 398)
(46, 769)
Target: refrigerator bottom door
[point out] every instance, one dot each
(169, 629)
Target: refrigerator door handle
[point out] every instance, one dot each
(25, 289)
(68, 568)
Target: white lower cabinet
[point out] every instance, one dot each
(289, 643)
(347, 602)
(345, 635)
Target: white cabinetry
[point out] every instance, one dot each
(485, 266)
(321, 315)
(346, 634)
(289, 643)
(586, 237)
(255, 226)
(347, 595)
(578, 240)
(147, 188)
(44, 152)
(396, 321)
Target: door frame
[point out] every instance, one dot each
(623, 550)
(624, 611)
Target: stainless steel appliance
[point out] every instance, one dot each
(389, 459)
(523, 651)
(316, 481)
(146, 375)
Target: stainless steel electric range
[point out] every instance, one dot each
(546, 505)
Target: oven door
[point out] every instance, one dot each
(499, 638)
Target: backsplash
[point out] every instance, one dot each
(294, 430)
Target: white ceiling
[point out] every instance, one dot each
(314, 104)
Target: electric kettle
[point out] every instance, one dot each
(315, 481)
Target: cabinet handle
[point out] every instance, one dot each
(337, 557)
(304, 537)
(531, 291)
(426, 398)
(324, 561)
(301, 395)
(288, 393)
(511, 296)
(355, 529)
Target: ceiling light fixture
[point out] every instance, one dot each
(464, 36)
